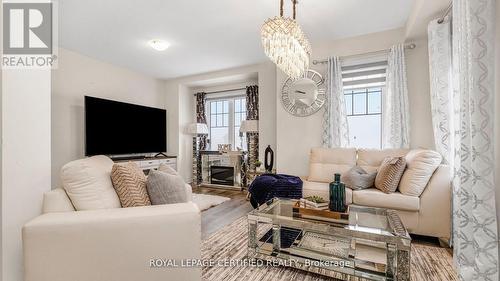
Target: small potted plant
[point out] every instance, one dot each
(258, 164)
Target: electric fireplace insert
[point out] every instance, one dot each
(222, 175)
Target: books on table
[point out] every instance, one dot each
(304, 203)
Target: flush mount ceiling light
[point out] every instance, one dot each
(159, 45)
(285, 43)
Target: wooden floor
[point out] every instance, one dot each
(219, 216)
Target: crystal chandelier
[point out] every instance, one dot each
(285, 44)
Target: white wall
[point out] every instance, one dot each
(422, 12)
(78, 75)
(172, 105)
(297, 135)
(180, 104)
(25, 158)
(186, 117)
(421, 132)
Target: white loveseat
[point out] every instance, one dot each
(428, 214)
(111, 244)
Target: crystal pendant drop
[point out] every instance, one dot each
(286, 45)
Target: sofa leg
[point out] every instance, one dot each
(444, 242)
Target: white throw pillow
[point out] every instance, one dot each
(88, 183)
(167, 169)
(56, 201)
(420, 165)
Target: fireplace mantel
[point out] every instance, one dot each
(233, 159)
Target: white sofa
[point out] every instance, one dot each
(113, 244)
(429, 214)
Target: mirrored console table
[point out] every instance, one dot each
(221, 169)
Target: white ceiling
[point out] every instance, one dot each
(207, 35)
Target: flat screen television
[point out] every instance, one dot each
(117, 128)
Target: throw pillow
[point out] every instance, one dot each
(130, 184)
(167, 169)
(389, 174)
(165, 188)
(88, 184)
(357, 178)
(421, 165)
(56, 201)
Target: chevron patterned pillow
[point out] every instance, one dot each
(389, 174)
(130, 184)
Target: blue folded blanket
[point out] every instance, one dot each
(268, 186)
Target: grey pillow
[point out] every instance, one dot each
(357, 178)
(165, 188)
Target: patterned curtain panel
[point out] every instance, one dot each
(252, 102)
(335, 126)
(475, 222)
(396, 113)
(201, 117)
(440, 66)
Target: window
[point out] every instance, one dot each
(364, 85)
(224, 119)
(364, 116)
(240, 114)
(219, 122)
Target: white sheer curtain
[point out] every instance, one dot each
(396, 114)
(441, 80)
(335, 127)
(475, 223)
(440, 69)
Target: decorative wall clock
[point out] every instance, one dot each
(304, 96)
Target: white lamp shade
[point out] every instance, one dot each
(197, 129)
(249, 126)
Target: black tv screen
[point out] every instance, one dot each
(114, 128)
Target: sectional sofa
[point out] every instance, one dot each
(427, 214)
(90, 237)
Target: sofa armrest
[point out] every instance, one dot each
(435, 205)
(189, 192)
(113, 244)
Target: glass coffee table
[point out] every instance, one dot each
(363, 244)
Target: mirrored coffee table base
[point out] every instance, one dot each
(371, 244)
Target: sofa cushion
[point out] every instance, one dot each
(357, 178)
(164, 188)
(389, 174)
(375, 198)
(167, 169)
(321, 189)
(130, 184)
(325, 162)
(371, 159)
(56, 201)
(88, 183)
(420, 165)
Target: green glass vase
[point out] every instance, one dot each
(337, 195)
